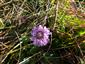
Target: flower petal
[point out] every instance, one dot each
(45, 41)
(46, 30)
(34, 31)
(40, 28)
(41, 41)
(46, 36)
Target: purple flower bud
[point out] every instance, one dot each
(40, 35)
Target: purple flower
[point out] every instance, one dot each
(40, 35)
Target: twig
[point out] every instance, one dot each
(50, 44)
(4, 44)
(56, 14)
(82, 55)
(74, 7)
(27, 59)
(20, 45)
(6, 3)
(20, 10)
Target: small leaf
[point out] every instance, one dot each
(25, 61)
(82, 61)
(82, 32)
(1, 24)
(34, 49)
(53, 1)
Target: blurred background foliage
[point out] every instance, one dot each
(65, 19)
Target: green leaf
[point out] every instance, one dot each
(82, 61)
(24, 39)
(1, 24)
(34, 49)
(81, 32)
(53, 1)
(25, 61)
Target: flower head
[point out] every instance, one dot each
(40, 35)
